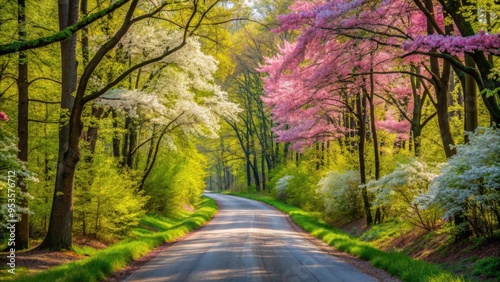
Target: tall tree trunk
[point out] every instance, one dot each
(131, 145)
(470, 100)
(376, 153)
(151, 148)
(263, 168)
(22, 227)
(128, 121)
(483, 64)
(116, 139)
(441, 81)
(61, 217)
(255, 169)
(415, 128)
(361, 113)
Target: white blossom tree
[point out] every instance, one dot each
(469, 182)
(399, 194)
(180, 95)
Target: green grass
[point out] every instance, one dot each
(395, 263)
(489, 267)
(152, 233)
(84, 250)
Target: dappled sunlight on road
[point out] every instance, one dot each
(246, 241)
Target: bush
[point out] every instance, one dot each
(301, 190)
(11, 168)
(489, 267)
(176, 181)
(341, 196)
(469, 183)
(281, 186)
(299, 185)
(109, 205)
(398, 194)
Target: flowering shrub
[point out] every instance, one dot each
(10, 162)
(398, 194)
(469, 183)
(281, 186)
(341, 196)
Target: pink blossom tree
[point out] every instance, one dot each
(413, 30)
(345, 52)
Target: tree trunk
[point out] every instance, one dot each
(151, 148)
(470, 101)
(128, 121)
(255, 169)
(61, 217)
(116, 140)
(378, 216)
(22, 227)
(361, 113)
(94, 128)
(484, 66)
(131, 145)
(441, 81)
(263, 169)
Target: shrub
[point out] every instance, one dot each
(469, 183)
(398, 194)
(110, 205)
(489, 267)
(281, 186)
(341, 196)
(176, 181)
(11, 168)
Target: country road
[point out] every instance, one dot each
(246, 241)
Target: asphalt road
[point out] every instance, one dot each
(246, 241)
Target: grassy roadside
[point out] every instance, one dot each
(395, 263)
(102, 263)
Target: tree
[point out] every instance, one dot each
(22, 230)
(60, 226)
(65, 33)
(469, 181)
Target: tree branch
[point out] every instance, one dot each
(61, 35)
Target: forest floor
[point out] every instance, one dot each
(434, 247)
(34, 261)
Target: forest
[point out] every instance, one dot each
(385, 111)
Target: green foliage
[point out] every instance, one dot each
(106, 203)
(301, 186)
(398, 192)
(397, 264)
(341, 196)
(489, 267)
(104, 262)
(84, 250)
(176, 183)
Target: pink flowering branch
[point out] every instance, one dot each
(455, 45)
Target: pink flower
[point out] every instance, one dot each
(3, 116)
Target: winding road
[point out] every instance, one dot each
(246, 241)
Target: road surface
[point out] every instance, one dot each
(246, 241)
